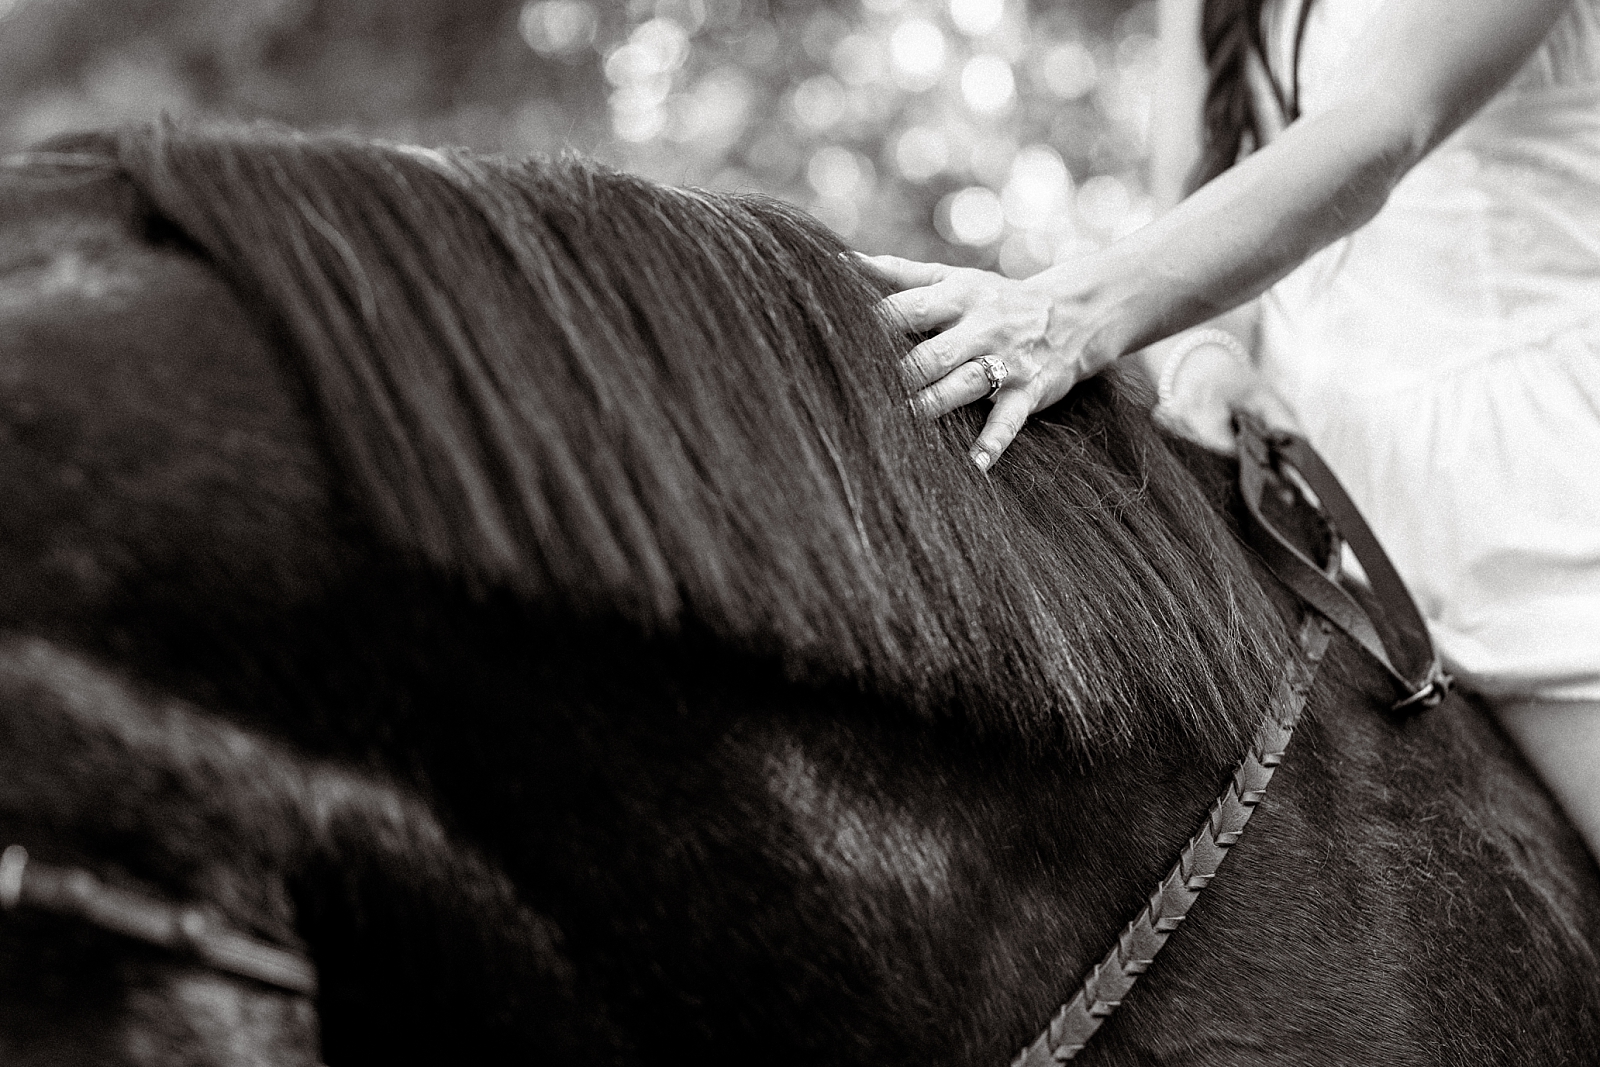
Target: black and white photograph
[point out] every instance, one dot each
(814, 533)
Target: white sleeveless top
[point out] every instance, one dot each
(1445, 359)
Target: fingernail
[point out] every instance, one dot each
(982, 459)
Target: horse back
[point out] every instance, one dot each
(738, 861)
(1407, 893)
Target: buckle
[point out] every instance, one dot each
(1430, 695)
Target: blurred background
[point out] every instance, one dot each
(1001, 133)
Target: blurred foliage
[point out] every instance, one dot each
(991, 132)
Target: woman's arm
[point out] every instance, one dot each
(1178, 105)
(1176, 139)
(1420, 70)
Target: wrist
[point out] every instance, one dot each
(1091, 310)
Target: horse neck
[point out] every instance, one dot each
(100, 784)
(746, 835)
(423, 948)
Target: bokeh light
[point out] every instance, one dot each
(989, 156)
(833, 172)
(558, 27)
(859, 59)
(972, 216)
(917, 49)
(1009, 134)
(692, 15)
(1037, 192)
(921, 152)
(715, 113)
(1068, 70)
(818, 103)
(656, 48)
(1110, 207)
(987, 84)
(977, 18)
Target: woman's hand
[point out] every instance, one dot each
(1038, 329)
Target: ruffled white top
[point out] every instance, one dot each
(1445, 359)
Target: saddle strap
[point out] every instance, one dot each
(1395, 635)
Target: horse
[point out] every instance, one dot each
(523, 592)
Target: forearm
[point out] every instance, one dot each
(1323, 178)
(1419, 69)
(1425, 67)
(1177, 133)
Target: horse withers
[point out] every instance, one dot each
(688, 697)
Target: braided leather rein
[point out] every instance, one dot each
(1103, 990)
(1392, 632)
(75, 893)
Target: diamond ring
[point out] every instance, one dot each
(994, 369)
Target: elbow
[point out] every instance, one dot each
(1392, 138)
(1382, 150)
(1367, 191)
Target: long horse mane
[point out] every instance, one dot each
(677, 408)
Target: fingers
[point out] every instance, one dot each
(1010, 411)
(928, 295)
(905, 273)
(926, 308)
(943, 353)
(964, 385)
(973, 313)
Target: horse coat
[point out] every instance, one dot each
(696, 701)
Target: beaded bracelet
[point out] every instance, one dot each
(1185, 348)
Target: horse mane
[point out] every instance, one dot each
(613, 399)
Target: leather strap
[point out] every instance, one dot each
(71, 892)
(1102, 991)
(1394, 635)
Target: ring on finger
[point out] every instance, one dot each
(994, 369)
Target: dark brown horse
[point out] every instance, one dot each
(523, 590)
